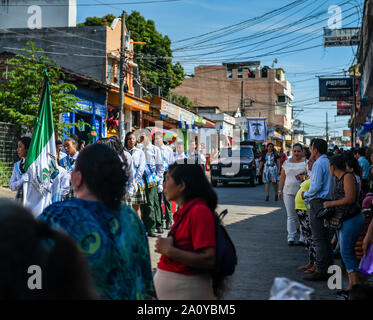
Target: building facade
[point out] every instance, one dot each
(243, 89)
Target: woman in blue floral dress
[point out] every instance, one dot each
(270, 164)
(110, 234)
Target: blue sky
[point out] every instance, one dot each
(190, 18)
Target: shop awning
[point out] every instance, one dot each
(130, 102)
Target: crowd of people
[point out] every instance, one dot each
(328, 200)
(112, 204)
(113, 196)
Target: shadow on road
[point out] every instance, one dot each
(261, 243)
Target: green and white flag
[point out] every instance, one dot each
(41, 161)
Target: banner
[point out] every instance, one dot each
(344, 108)
(335, 89)
(41, 161)
(346, 133)
(257, 130)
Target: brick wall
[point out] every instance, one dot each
(210, 86)
(8, 151)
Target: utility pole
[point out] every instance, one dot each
(327, 129)
(242, 101)
(304, 139)
(122, 72)
(354, 124)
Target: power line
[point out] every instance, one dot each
(95, 5)
(241, 23)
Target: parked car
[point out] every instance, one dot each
(237, 165)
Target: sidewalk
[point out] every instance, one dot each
(258, 229)
(6, 193)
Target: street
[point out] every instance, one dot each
(258, 229)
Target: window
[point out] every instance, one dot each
(265, 72)
(117, 77)
(239, 73)
(281, 99)
(229, 74)
(110, 71)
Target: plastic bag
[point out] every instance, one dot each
(286, 289)
(366, 264)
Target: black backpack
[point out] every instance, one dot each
(226, 257)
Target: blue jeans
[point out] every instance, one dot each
(347, 236)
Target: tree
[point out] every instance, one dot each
(154, 58)
(95, 21)
(20, 93)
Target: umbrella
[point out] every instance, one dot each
(167, 134)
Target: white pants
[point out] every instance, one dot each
(292, 221)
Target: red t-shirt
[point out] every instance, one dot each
(196, 231)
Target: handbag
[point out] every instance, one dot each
(343, 213)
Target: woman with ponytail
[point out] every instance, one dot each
(189, 251)
(109, 234)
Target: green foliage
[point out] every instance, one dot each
(6, 169)
(20, 94)
(95, 21)
(158, 71)
(182, 100)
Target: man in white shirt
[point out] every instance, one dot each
(179, 156)
(153, 178)
(168, 158)
(194, 157)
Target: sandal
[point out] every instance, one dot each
(311, 270)
(307, 266)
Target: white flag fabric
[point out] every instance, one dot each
(257, 130)
(41, 162)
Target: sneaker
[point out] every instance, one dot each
(160, 230)
(291, 242)
(316, 276)
(152, 234)
(299, 243)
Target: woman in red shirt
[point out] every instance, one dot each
(188, 253)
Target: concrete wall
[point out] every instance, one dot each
(36, 14)
(81, 49)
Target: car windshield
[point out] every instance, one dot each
(244, 153)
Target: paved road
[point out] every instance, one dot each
(258, 229)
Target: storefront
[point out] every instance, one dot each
(173, 117)
(276, 138)
(133, 108)
(90, 112)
